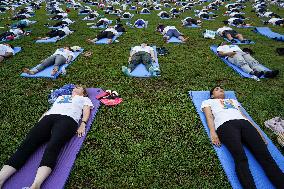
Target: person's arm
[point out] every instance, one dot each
(86, 114)
(259, 132)
(230, 54)
(210, 122)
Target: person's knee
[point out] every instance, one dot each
(1, 58)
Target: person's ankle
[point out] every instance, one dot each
(35, 185)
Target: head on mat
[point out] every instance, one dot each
(217, 92)
(80, 90)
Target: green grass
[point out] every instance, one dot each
(154, 139)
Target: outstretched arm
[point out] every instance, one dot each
(86, 114)
(210, 122)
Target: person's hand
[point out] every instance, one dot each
(231, 54)
(215, 139)
(81, 130)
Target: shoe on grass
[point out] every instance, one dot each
(126, 71)
(271, 74)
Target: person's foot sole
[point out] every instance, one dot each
(126, 72)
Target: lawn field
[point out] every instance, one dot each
(154, 139)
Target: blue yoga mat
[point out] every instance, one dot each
(268, 33)
(174, 40)
(17, 50)
(50, 40)
(238, 42)
(236, 68)
(144, 13)
(193, 26)
(140, 70)
(46, 72)
(140, 27)
(164, 18)
(227, 162)
(241, 26)
(104, 40)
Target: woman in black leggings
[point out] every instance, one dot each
(228, 125)
(56, 127)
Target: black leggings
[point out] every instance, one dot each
(105, 34)
(54, 33)
(233, 134)
(54, 129)
(191, 21)
(61, 23)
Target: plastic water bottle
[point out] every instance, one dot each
(63, 72)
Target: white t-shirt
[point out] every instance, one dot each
(201, 13)
(66, 30)
(231, 20)
(229, 48)
(220, 30)
(104, 19)
(160, 13)
(273, 20)
(67, 20)
(17, 31)
(72, 107)
(112, 30)
(223, 110)
(147, 49)
(64, 52)
(5, 49)
(63, 14)
(266, 14)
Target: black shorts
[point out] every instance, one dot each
(233, 33)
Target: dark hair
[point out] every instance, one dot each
(85, 93)
(212, 89)
(225, 22)
(11, 46)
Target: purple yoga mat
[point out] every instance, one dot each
(57, 179)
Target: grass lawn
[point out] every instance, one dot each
(154, 139)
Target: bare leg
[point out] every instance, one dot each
(92, 40)
(5, 173)
(28, 71)
(182, 38)
(109, 41)
(42, 173)
(229, 37)
(240, 37)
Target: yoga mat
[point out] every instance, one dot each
(58, 177)
(236, 68)
(17, 50)
(101, 26)
(127, 18)
(227, 162)
(104, 40)
(144, 13)
(164, 18)
(174, 40)
(238, 42)
(140, 70)
(193, 26)
(50, 40)
(46, 72)
(268, 33)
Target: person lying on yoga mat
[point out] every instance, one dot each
(231, 35)
(21, 24)
(237, 15)
(6, 51)
(21, 16)
(268, 15)
(13, 33)
(140, 23)
(59, 16)
(236, 21)
(92, 16)
(170, 31)
(244, 61)
(229, 125)
(108, 33)
(56, 127)
(275, 21)
(63, 22)
(60, 32)
(140, 54)
(188, 21)
(60, 57)
(145, 11)
(126, 15)
(103, 22)
(163, 14)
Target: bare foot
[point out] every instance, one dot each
(54, 71)
(109, 41)
(35, 186)
(28, 71)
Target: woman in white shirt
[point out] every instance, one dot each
(229, 125)
(60, 57)
(6, 50)
(56, 127)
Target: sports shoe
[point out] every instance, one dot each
(271, 74)
(126, 71)
(152, 71)
(258, 74)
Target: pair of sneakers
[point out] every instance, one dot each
(153, 71)
(267, 74)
